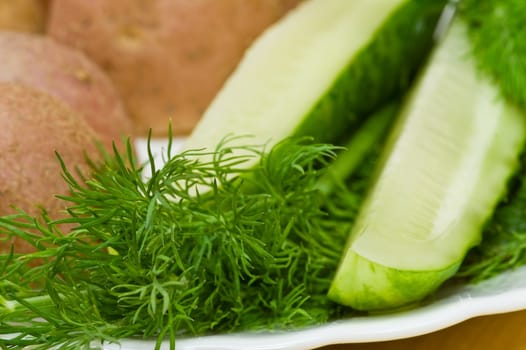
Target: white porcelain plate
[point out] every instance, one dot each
(451, 305)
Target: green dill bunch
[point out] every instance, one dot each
(497, 32)
(198, 247)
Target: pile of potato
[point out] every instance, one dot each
(77, 72)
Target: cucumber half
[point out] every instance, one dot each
(446, 166)
(306, 74)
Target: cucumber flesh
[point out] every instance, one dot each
(304, 75)
(446, 166)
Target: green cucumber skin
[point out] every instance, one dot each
(382, 274)
(380, 71)
(376, 287)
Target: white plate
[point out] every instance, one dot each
(451, 305)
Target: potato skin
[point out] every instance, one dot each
(23, 15)
(34, 126)
(67, 74)
(168, 58)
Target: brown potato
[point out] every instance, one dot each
(67, 74)
(34, 126)
(23, 15)
(168, 58)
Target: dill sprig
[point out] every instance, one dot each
(199, 247)
(497, 33)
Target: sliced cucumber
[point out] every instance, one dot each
(319, 70)
(446, 166)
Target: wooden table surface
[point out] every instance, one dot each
(504, 331)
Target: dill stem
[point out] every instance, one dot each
(360, 143)
(11, 307)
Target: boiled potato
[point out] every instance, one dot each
(23, 15)
(67, 74)
(34, 126)
(168, 58)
